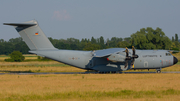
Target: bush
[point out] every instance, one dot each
(9, 60)
(15, 56)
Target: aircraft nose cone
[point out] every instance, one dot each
(175, 60)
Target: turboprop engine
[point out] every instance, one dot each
(117, 58)
(124, 57)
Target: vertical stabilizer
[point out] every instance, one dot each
(32, 35)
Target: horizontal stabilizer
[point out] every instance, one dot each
(20, 24)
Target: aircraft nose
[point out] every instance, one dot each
(175, 60)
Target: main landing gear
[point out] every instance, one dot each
(158, 70)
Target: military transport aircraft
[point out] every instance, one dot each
(106, 60)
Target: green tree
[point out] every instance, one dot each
(101, 43)
(22, 47)
(101, 40)
(8, 47)
(93, 41)
(172, 39)
(89, 46)
(14, 44)
(148, 38)
(113, 42)
(127, 39)
(85, 40)
(15, 40)
(1, 48)
(123, 44)
(107, 43)
(176, 37)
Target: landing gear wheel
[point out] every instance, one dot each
(158, 71)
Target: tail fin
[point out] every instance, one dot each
(32, 35)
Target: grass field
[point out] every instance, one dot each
(90, 87)
(83, 87)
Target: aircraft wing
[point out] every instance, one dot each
(107, 52)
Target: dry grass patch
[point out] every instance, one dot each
(31, 58)
(37, 66)
(175, 67)
(90, 87)
(2, 58)
(29, 63)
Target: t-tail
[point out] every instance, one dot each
(33, 35)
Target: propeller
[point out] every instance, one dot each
(127, 57)
(134, 56)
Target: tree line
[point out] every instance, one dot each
(145, 38)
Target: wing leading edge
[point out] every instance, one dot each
(107, 52)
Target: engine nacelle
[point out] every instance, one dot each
(117, 58)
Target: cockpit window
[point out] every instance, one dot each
(168, 54)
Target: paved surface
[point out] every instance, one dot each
(85, 73)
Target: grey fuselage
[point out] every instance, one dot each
(148, 59)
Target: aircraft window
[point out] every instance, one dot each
(168, 54)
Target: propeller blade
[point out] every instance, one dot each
(132, 63)
(133, 49)
(133, 56)
(127, 52)
(134, 53)
(126, 64)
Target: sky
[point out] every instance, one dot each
(62, 19)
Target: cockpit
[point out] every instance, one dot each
(168, 54)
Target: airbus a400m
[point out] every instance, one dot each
(106, 60)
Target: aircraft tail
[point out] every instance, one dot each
(32, 35)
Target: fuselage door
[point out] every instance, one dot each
(145, 64)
